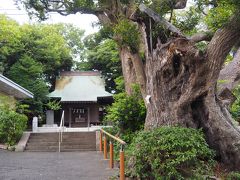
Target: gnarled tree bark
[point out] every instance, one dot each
(127, 69)
(182, 85)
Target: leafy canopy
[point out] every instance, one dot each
(33, 56)
(104, 57)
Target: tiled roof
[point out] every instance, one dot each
(79, 86)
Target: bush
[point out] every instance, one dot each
(127, 113)
(12, 125)
(233, 176)
(169, 153)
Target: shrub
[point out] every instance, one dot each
(127, 113)
(169, 153)
(233, 176)
(12, 125)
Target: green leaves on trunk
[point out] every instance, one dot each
(127, 34)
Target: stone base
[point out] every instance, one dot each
(49, 125)
(23, 141)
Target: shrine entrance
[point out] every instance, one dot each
(79, 117)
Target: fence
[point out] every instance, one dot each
(103, 148)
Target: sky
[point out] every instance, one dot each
(82, 21)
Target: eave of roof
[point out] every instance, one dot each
(13, 89)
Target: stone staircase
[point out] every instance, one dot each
(72, 141)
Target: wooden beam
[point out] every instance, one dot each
(161, 20)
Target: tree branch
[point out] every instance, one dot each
(221, 44)
(161, 20)
(103, 18)
(229, 76)
(202, 36)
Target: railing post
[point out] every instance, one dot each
(105, 147)
(59, 143)
(100, 143)
(111, 162)
(122, 174)
(61, 136)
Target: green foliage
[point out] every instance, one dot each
(188, 20)
(43, 43)
(233, 176)
(54, 105)
(22, 108)
(229, 58)
(104, 57)
(218, 16)
(127, 112)
(120, 87)
(28, 73)
(12, 125)
(74, 38)
(162, 6)
(33, 55)
(10, 41)
(235, 108)
(217, 13)
(169, 153)
(46, 45)
(127, 34)
(93, 40)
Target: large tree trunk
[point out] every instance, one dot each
(181, 82)
(127, 69)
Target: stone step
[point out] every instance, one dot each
(72, 146)
(56, 133)
(68, 143)
(79, 143)
(30, 140)
(72, 141)
(42, 143)
(44, 134)
(76, 150)
(41, 150)
(65, 135)
(63, 148)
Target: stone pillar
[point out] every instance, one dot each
(35, 124)
(50, 117)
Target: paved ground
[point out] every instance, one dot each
(53, 166)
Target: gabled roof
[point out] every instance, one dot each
(79, 86)
(13, 89)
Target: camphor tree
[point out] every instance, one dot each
(178, 80)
